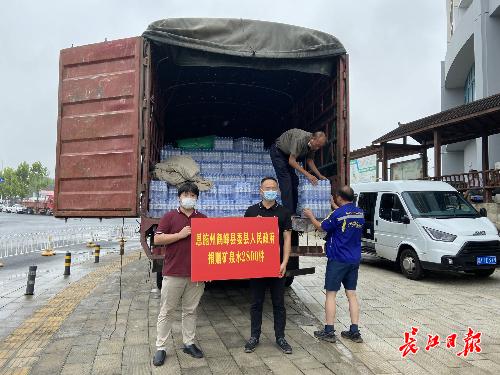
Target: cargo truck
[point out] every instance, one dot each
(120, 101)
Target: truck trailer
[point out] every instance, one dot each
(121, 101)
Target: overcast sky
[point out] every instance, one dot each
(395, 49)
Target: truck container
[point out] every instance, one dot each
(121, 101)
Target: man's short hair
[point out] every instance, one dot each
(346, 193)
(188, 187)
(268, 178)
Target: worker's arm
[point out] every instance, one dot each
(292, 161)
(310, 215)
(312, 167)
(287, 249)
(169, 238)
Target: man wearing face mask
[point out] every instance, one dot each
(174, 231)
(268, 207)
(291, 147)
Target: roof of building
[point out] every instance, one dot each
(484, 113)
(393, 150)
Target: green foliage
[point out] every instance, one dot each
(25, 180)
(10, 187)
(39, 177)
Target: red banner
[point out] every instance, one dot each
(234, 248)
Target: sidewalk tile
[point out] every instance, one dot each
(77, 369)
(223, 365)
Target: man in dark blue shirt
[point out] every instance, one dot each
(344, 227)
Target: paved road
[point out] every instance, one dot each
(15, 223)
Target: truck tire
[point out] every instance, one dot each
(483, 273)
(410, 264)
(159, 280)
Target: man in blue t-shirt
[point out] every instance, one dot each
(344, 227)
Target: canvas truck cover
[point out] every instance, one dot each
(246, 43)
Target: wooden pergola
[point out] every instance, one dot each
(478, 119)
(388, 151)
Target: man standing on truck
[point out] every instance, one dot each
(174, 230)
(291, 147)
(268, 207)
(344, 227)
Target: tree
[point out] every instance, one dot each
(9, 189)
(24, 180)
(23, 175)
(39, 178)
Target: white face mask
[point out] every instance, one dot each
(188, 203)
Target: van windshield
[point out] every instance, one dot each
(438, 204)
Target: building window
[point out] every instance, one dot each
(451, 18)
(470, 86)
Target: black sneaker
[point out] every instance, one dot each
(193, 351)
(353, 336)
(287, 349)
(251, 344)
(159, 358)
(325, 336)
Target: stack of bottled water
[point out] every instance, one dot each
(236, 168)
(168, 151)
(160, 198)
(317, 198)
(223, 143)
(248, 145)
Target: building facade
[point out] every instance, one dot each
(471, 71)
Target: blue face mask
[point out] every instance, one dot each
(270, 195)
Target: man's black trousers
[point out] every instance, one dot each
(258, 289)
(287, 179)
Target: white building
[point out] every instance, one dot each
(471, 71)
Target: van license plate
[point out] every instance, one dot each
(486, 260)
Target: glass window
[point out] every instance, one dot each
(391, 208)
(470, 86)
(439, 204)
(367, 202)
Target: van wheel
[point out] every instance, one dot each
(484, 273)
(410, 264)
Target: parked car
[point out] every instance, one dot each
(18, 209)
(427, 225)
(2, 207)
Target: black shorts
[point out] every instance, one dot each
(338, 272)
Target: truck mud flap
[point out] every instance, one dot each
(299, 272)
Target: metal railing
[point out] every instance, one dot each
(488, 181)
(25, 243)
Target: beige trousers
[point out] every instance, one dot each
(175, 292)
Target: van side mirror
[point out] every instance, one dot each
(405, 219)
(483, 212)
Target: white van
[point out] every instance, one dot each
(426, 225)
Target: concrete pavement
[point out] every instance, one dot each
(15, 307)
(81, 330)
(441, 304)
